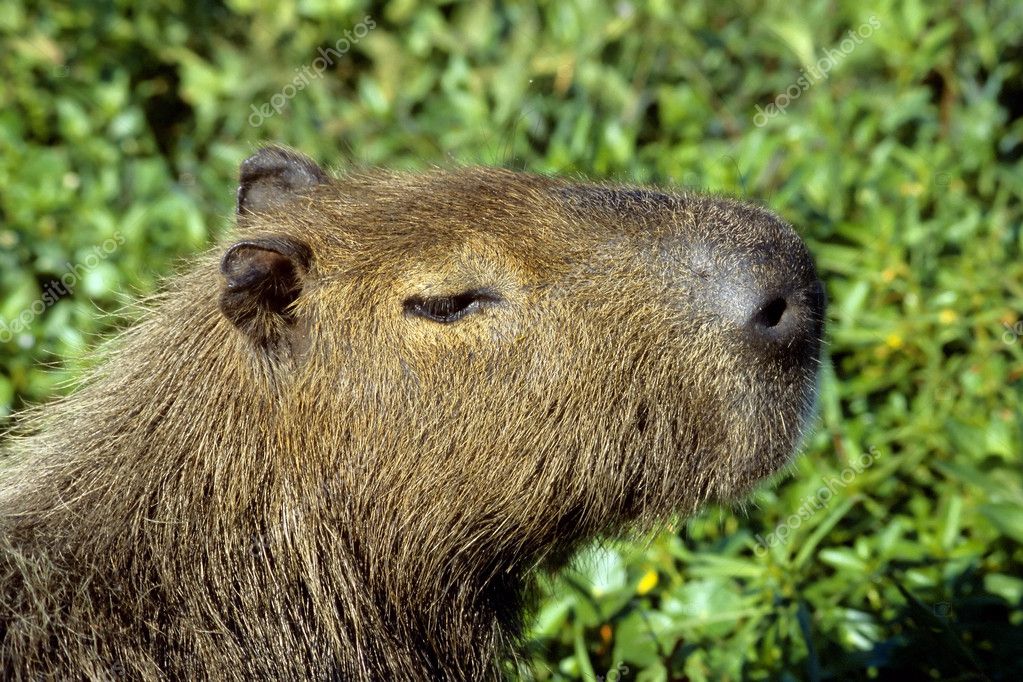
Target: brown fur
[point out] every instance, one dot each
(351, 491)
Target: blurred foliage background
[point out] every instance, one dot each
(122, 125)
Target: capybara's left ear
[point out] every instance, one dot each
(263, 278)
(273, 176)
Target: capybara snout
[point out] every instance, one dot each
(762, 282)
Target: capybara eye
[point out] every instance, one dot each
(448, 309)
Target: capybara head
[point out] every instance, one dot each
(487, 347)
(414, 388)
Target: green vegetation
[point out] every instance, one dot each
(122, 125)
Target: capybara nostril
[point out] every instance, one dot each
(770, 313)
(792, 320)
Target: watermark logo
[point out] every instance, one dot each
(615, 674)
(1012, 332)
(812, 74)
(56, 289)
(306, 74)
(943, 610)
(818, 500)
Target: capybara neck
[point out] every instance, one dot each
(163, 479)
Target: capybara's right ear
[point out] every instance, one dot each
(273, 176)
(263, 278)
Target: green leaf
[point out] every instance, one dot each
(1007, 517)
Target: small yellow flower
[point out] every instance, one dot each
(894, 341)
(888, 274)
(647, 582)
(947, 316)
(911, 189)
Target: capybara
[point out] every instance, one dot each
(342, 444)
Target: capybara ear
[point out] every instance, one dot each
(273, 176)
(263, 278)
